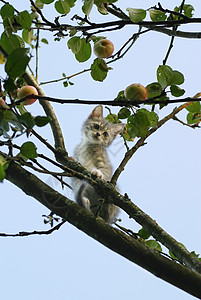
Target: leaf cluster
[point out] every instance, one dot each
(139, 121)
(194, 113)
(11, 121)
(158, 14)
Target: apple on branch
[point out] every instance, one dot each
(135, 91)
(103, 48)
(25, 91)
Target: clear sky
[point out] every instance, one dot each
(163, 178)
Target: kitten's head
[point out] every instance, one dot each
(97, 130)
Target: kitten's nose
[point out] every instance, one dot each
(97, 134)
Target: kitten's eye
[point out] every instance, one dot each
(105, 134)
(96, 126)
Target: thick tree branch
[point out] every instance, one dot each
(155, 26)
(56, 129)
(108, 191)
(112, 238)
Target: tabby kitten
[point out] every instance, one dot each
(97, 135)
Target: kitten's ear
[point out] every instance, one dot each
(117, 128)
(97, 112)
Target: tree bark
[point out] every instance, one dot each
(116, 240)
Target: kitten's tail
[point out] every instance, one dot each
(81, 199)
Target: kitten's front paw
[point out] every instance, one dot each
(86, 203)
(98, 173)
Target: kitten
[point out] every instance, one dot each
(98, 134)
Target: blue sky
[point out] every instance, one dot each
(163, 178)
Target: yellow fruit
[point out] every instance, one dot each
(135, 91)
(103, 48)
(25, 91)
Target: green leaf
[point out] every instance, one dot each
(28, 149)
(187, 10)
(163, 98)
(194, 107)
(62, 6)
(16, 62)
(124, 113)
(39, 4)
(99, 69)
(154, 244)
(27, 35)
(157, 15)
(65, 83)
(71, 2)
(151, 115)
(85, 51)
(10, 117)
(24, 19)
(2, 172)
(178, 78)
(44, 41)
(10, 42)
(164, 75)
(42, 121)
(120, 96)
(102, 9)
(74, 44)
(27, 119)
(193, 118)
(195, 254)
(4, 128)
(138, 124)
(7, 11)
(4, 162)
(112, 118)
(154, 89)
(97, 2)
(143, 234)
(9, 85)
(47, 1)
(87, 7)
(176, 91)
(136, 15)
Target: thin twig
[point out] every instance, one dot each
(119, 103)
(44, 141)
(185, 124)
(54, 175)
(171, 12)
(35, 232)
(173, 37)
(37, 47)
(65, 78)
(41, 14)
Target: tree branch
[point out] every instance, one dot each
(56, 129)
(112, 238)
(113, 102)
(35, 232)
(108, 191)
(141, 141)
